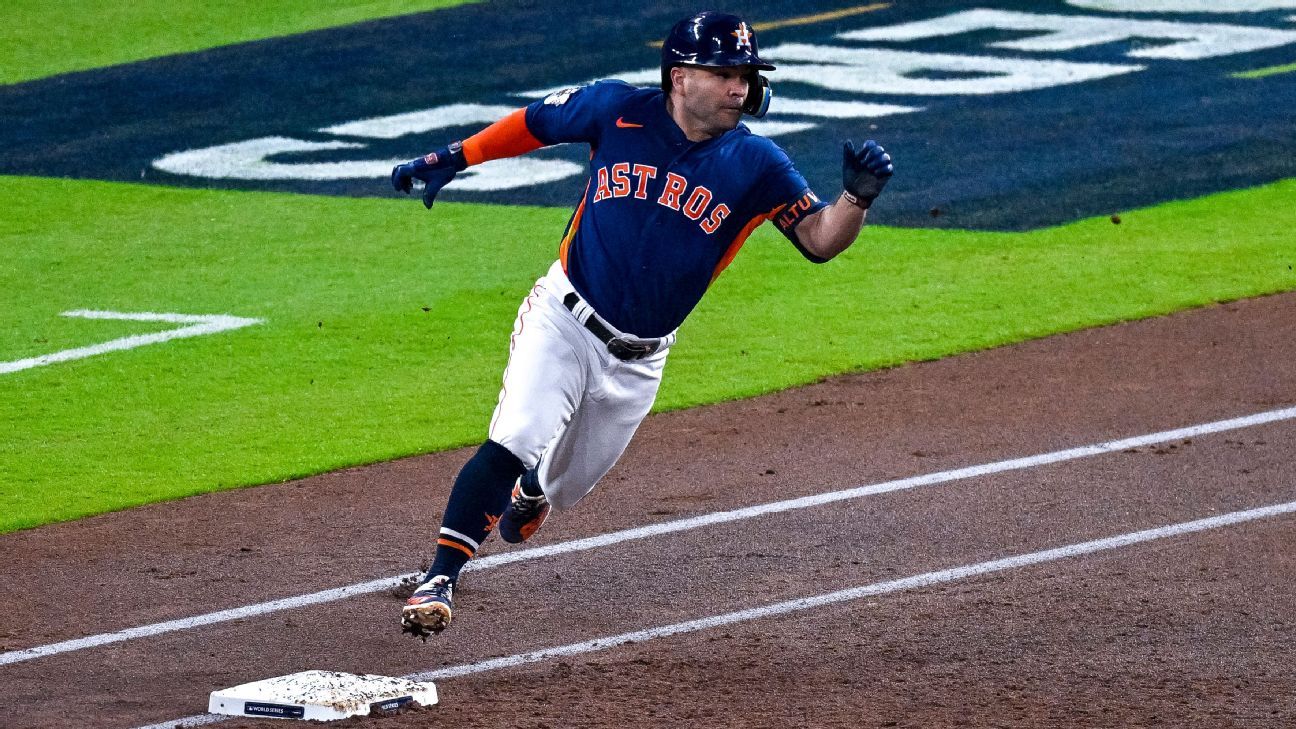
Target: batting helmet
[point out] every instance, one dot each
(717, 40)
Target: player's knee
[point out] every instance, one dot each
(523, 447)
(564, 491)
(497, 453)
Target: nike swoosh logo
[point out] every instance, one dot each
(622, 123)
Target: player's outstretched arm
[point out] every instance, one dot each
(508, 137)
(833, 229)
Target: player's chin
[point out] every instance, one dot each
(727, 118)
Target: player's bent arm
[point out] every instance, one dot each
(830, 230)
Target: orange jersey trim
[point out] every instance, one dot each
(739, 240)
(572, 226)
(508, 137)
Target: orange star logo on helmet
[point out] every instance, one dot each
(743, 34)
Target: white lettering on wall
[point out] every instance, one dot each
(839, 109)
(1184, 6)
(857, 70)
(248, 161)
(421, 122)
(1067, 32)
(886, 71)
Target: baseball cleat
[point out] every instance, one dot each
(428, 611)
(523, 516)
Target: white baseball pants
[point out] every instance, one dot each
(568, 407)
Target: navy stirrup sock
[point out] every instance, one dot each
(481, 493)
(531, 483)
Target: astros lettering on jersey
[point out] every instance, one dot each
(661, 216)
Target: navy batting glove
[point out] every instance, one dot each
(865, 173)
(435, 170)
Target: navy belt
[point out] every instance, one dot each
(623, 348)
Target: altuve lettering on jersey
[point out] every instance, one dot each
(789, 216)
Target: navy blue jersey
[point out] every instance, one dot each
(661, 216)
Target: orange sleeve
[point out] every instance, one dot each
(507, 137)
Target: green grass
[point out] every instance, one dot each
(42, 38)
(386, 326)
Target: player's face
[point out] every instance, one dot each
(712, 98)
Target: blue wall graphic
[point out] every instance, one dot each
(1174, 128)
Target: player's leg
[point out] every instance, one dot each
(543, 383)
(479, 494)
(588, 446)
(600, 430)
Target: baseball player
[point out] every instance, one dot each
(676, 186)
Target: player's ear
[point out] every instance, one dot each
(677, 74)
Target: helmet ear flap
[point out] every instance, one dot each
(758, 95)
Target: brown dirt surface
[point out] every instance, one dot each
(1190, 630)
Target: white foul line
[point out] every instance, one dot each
(198, 326)
(653, 530)
(815, 601)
